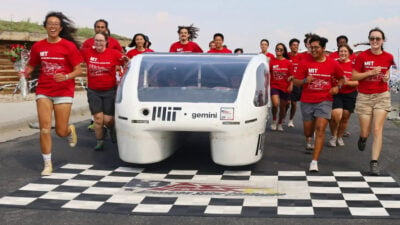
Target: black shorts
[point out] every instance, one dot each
(102, 101)
(296, 93)
(345, 101)
(282, 95)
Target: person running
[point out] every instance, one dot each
(264, 44)
(341, 40)
(281, 85)
(219, 44)
(316, 100)
(343, 102)
(294, 58)
(139, 43)
(101, 25)
(60, 61)
(102, 63)
(372, 70)
(186, 36)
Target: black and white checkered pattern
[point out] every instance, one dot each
(339, 194)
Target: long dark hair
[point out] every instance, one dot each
(133, 43)
(377, 29)
(68, 27)
(285, 52)
(191, 30)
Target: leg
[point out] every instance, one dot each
(344, 122)
(282, 110)
(275, 104)
(44, 110)
(61, 114)
(320, 127)
(335, 121)
(379, 117)
(99, 125)
(365, 125)
(309, 129)
(293, 106)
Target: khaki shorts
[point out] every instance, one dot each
(367, 103)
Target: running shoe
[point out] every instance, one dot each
(332, 141)
(313, 166)
(280, 127)
(340, 141)
(99, 145)
(374, 168)
(72, 137)
(48, 168)
(273, 125)
(290, 124)
(310, 146)
(346, 134)
(91, 126)
(361, 143)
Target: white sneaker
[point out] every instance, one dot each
(340, 141)
(313, 166)
(290, 124)
(280, 127)
(332, 141)
(273, 125)
(48, 168)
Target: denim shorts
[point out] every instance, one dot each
(56, 100)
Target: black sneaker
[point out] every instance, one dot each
(361, 143)
(374, 168)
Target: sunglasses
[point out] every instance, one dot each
(375, 38)
(279, 49)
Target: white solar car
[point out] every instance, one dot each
(162, 96)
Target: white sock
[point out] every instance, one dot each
(46, 157)
(314, 161)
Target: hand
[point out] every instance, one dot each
(334, 90)
(60, 77)
(385, 78)
(375, 71)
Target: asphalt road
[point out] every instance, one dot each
(21, 163)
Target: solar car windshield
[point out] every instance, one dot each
(191, 78)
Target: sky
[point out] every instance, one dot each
(243, 23)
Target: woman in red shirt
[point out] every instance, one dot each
(343, 102)
(281, 85)
(60, 61)
(372, 70)
(139, 42)
(102, 63)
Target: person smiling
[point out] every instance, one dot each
(372, 70)
(316, 77)
(102, 63)
(139, 42)
(185, 43)
(219, 44)
(60, 61)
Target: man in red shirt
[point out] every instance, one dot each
(185, 43)
(316, 77)
(101, 25)
(264, 44)
(219, 44)
(341, 40)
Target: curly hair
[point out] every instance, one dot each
(191, 30)
(68, 26)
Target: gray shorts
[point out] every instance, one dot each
(56, 100)
(310, 111)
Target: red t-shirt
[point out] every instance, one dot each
(323, 73)
(55, 58)
(366, 61)
(295, 60)
(223, 50)
(189, 47)
(270, 56)
(134, 52)
(112, 43)
(280, 72)
(347, 68)
(101, 68)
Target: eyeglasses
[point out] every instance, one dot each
(279, 49)
(375, 38)
(96, 40)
